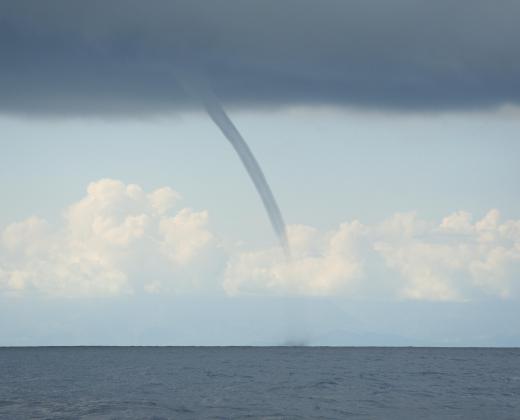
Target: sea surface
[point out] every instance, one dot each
(259, 382)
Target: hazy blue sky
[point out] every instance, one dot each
(388, 134)
(326, 166)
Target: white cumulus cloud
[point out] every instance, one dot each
(120, 239)
(403, 258)
(117, 239)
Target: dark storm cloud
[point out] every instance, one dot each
(121, 56)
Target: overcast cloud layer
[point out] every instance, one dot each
(120, 57)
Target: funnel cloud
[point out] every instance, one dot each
(202, 93)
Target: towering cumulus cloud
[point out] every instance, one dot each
(118, 239)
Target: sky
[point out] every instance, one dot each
(387, 132)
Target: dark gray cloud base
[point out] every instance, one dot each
(121, 56)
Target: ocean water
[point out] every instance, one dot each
(259, 382)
